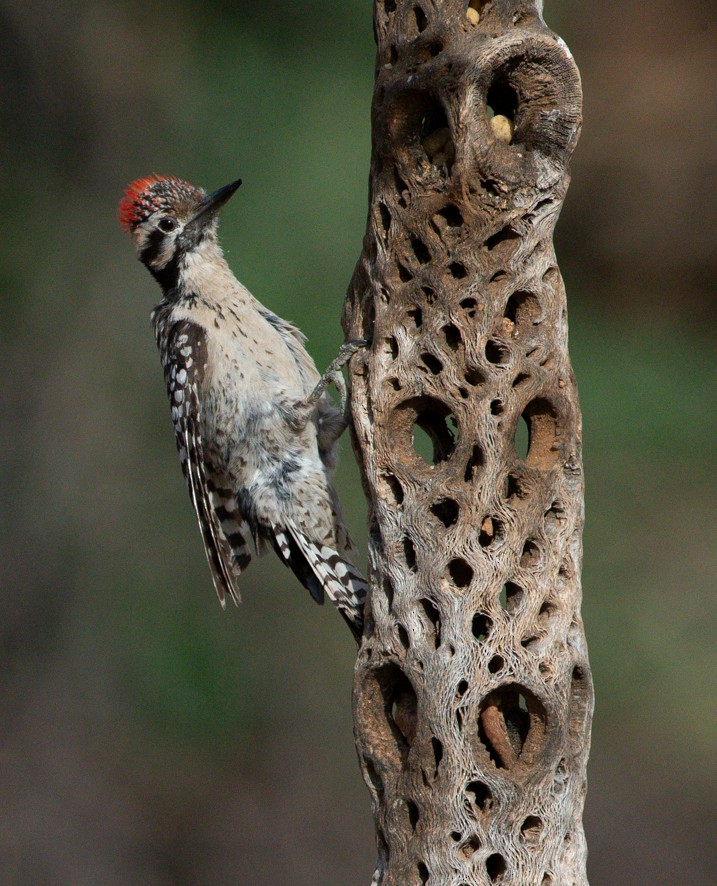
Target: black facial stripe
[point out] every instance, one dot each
(153, 248)
(168, 276)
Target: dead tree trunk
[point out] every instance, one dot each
(473, 695)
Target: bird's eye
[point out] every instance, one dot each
(167, 225)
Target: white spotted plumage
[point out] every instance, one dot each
(255, 431)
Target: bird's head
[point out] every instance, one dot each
(167, 218)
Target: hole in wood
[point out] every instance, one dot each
(501, 99)
(474, 463)
(480, 795)
(425, 428)
(492, 530)
(449, 216)
(432, 363)
(497, 663)
(386, 703)
(446, 510)
(460, 572)
(458, 270)
(470, 847)
(531, 829)
(510, 596)
(416, 315)
(452, 335)
(474, 377)
(470, 306)
(403, 637)
(404, 275)
(555, 517)
(511, 725)
(409, 553)
(530, 557)
(413, 815)
(420, 250)
(543, 448)
(437, 747)
(395, 488)
(388, 591)
(391, 346)
(434, 617)
(507, 237)
(385, 217)
(495, 867)
(481, 626)
(420, 18)
(497, 353)
(523, 310)
(520, 379)
(389, 5)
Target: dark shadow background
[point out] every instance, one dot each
(147, 737)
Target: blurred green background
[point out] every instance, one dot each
(147, 737)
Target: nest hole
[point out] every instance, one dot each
(420, 250)
(437, 748)
(413, 814)
(434, 617)
(542, 448)
(475, 462)
(511, 725)
(505, 238)
(385, 217)
(416, 316)
(404, 275)
(391, 346)
(523, 309)
(497, 352)
(419, 17)
(554, 518)
(460, 573)
(531, 829)
(501, 98)
(458, 271)
(409, 554)
(510, 596)
(389, 592)
(470, 306)
(451, 333)
(481, 626)
(474, 377)
(530, 556)
(432, 363)
(403, 637)
(496, 664)
(495, 867)
(492, 530)
(470, 847)
(395, 488)
(425, 427)
(446, 510)
(387, 702)
(448, 217)
(480, 795)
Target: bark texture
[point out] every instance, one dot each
(472, 696)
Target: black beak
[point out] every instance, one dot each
(211, 205)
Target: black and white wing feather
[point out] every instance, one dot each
(224, 533)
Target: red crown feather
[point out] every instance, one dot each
(138, 201)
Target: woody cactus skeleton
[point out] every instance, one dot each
(472, 695)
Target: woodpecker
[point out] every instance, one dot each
(255, 429)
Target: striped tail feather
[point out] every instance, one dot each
(320, 568)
